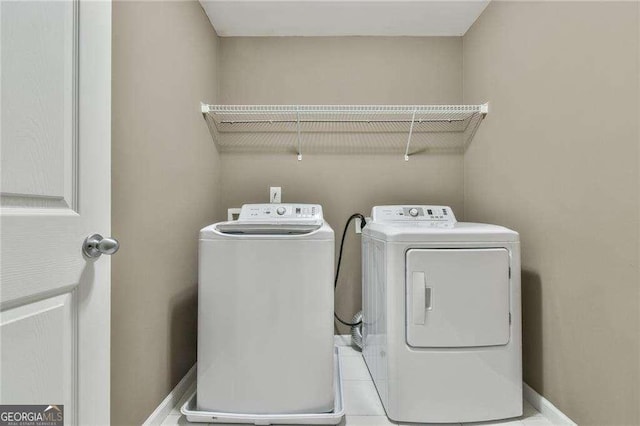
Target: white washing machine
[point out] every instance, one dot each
(441, 316)
(265, 313)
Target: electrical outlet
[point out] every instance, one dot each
(275, 194)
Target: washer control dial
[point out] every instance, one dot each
(281, 211)
(413, 212)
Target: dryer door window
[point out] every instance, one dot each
(457, 297)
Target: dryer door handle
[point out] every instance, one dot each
(420, 297)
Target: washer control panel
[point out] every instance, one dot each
(275, 212)
(413, 214)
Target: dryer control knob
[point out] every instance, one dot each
(281, 210)
(413, 212)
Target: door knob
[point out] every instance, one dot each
(94, 246)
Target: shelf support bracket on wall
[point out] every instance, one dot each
(298, 130)
(413, 120)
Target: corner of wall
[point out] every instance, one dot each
(531, 167)
(166, 177)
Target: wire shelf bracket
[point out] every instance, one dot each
(413, 121)
(299, 138)
(351, 129)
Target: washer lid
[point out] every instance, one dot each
(264, 228)
(271, 219)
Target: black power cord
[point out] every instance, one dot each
(335, 283)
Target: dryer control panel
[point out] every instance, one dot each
(281, 212)
(412, 213)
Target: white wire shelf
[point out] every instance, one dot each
(351, 129)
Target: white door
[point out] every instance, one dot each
(457, 297)
(55, 191)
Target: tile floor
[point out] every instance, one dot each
(362, 405)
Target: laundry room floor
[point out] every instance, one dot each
(362, 405)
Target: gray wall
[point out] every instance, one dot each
(557, 160)
(165, 188)
(342, 70)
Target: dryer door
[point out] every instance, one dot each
(457, 297)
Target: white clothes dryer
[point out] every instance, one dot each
(441, 316)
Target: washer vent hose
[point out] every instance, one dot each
(356, 330)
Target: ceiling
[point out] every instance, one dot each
(233, 18)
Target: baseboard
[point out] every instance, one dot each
(545, 407)
(167, 404)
